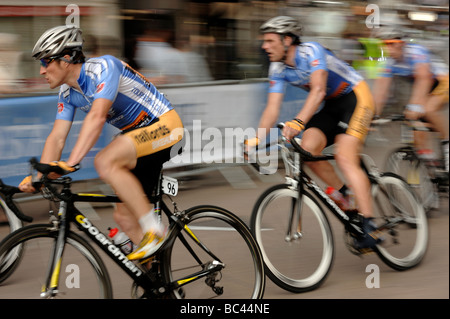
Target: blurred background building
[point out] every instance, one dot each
(204, 55)
(205, 40)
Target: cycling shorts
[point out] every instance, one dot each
(348, 114)
(160, 134)
(154, 146)
(440, 87)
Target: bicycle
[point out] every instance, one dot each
(428, 178)
(295, 235)
(209, 251)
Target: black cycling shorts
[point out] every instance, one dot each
(149, 167)
(155, 144)
(348, 114)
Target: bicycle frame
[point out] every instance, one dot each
(300, 180)
(147, 279)
(304, 181)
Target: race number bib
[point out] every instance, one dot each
(170, 186)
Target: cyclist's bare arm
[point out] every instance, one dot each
(423, 80)
(317, 92)
(271, 112)
(90, 130)
(380, 93)
(55, 142)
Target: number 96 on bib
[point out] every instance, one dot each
(169, 186)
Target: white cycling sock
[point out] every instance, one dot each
(150, 222)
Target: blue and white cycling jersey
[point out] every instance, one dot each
(134, 98)
(414, 54)
(309, 57)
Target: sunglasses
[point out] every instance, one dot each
(392, 41)
(46, 62)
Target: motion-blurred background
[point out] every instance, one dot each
(219, 38)
(204, 55)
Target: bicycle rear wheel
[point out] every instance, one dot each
(82, 272)
(405, 163)
(402, 220)
(301, 261)
(13, 223)
(230, 240)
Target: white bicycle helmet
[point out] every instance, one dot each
(55, 40)
(282, 25)
(389, 33)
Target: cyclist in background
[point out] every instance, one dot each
(430, 85)
(110, 91)
(343, 121)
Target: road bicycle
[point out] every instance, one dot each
(209, 252)
(295, 236)
(428, 178)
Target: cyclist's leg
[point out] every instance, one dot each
(350, 144)
(114, 164)
(128, 223)
(437, 98)
(433, 114)
(153, 146)
(131, 164)
(314, 141)
(348, 159)
(319, 133)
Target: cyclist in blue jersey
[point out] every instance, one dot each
(110, 91)
(430, 85)
(343, 120)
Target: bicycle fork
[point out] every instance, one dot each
(50, 288)
(294, 227)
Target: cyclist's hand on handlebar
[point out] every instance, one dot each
(26, 185)
(293, 128)
(250, 144)
(61, 168)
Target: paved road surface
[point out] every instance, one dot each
(237, 188)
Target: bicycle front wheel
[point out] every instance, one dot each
(402, 220)
(82, 274)
(405, 163)
(9, 264)
(218, 231)
(296, 242)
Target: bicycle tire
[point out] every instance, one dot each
(406, 239)
(226, 235)
(14, 223)
(301, 264)
(41, 237)
(405, 163)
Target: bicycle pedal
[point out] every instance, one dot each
(349, 240)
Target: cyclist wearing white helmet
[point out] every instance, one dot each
(109, 90)
(430, 85)
(344, 119)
